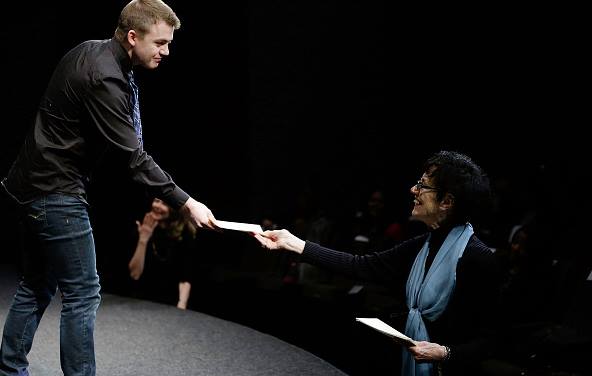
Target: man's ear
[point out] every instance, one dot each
(447, 202)
(132, 37)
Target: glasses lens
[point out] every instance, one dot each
(419, 186)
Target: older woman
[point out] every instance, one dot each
(450, 277)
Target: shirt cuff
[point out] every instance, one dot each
(176, 198)
(311, 251)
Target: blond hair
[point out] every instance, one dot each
(140, 15)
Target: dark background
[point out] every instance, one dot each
(259, 100)
(263, 102)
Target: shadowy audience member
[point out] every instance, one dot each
(164, 257)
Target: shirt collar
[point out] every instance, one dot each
(121, 55)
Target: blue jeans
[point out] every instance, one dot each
(58, 253)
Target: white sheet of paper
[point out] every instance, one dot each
(237, 226)
(384, 328)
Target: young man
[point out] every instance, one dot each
(91, 104)
(450, 277)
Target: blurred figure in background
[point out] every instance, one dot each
(166, 251)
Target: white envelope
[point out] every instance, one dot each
(384, 328)
(238, 226)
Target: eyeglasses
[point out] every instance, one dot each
(419, 186)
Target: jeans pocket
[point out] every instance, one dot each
(36, 215)
(36, 212)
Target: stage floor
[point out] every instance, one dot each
(141, 338)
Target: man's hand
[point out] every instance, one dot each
(199, 214)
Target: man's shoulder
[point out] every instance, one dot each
(106, 60)
(87, 49)
(95, 59)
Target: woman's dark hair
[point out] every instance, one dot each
(455, 173)
(176, 223)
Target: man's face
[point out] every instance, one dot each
(149, 49)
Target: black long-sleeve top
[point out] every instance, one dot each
(468, 325)
(85, 112)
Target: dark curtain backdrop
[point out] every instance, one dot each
(263, 101)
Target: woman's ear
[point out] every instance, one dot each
(447, 202)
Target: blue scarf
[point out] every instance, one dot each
(428, 297)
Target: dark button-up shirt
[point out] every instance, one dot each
(84, 113)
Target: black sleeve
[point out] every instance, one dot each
(107, 103)
(476, 317)
(383, 267)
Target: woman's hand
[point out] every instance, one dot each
(280, 239)
(428, 351)
(146, 228)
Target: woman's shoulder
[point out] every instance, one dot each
(478, 254)
(411, 245)
(414, 241)
(476, 247)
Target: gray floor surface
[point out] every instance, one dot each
(140, 338)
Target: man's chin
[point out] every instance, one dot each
(151, 65)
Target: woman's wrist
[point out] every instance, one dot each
(296, 245)
(143, 239)
(447, 354)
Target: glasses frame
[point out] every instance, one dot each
(419, 186)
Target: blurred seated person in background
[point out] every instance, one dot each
(166, 245)
(371, 225)
(447, 276)
(526, 278)
(376, 226)
(546, 304)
